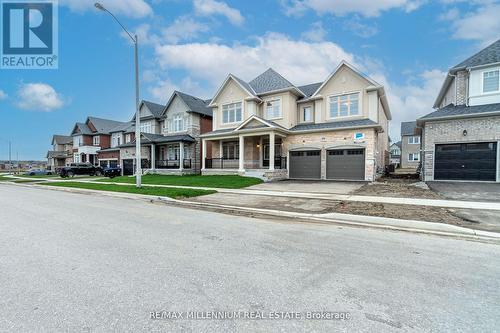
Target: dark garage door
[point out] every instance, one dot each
(305, 164)
(466, 161)
(128, 167)
(345, 164)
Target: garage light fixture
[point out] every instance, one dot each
(464, 132)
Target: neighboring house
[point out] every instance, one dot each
(410, 145)
(121, 134)
(61, 153)
(395, 153)
(90, 137)
(270, 128)
(461, 138)
(170, 142)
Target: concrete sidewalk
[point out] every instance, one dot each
(338, 197)
(432, 228)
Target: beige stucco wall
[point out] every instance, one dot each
(288, 109)
(230, 93)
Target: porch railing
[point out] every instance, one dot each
(222, 163)
(173, 164)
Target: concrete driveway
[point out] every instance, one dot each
(467, 191)
(313, 186)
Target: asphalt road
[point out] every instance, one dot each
(89, 263)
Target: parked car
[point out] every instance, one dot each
(112, 172)
(38, 172)
(75, 169)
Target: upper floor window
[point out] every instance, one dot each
(413, 157)
(395, 151)
(146, 127)
(178, 123)
(231, 113)
(96, 140)
(128, 138)
(116, 139)
(491, 81)
(414, 140)
(344, 105)
(77, 141)
(273, 109)
(307, 114)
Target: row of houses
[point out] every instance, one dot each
(332, 129)
(459, 141)
(267, 127)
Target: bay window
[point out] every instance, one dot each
(344, 105)
(231, 113)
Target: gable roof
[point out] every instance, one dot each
(488, 55)
(123, 127)
(269, 81)
(155, 108)
(194, 104)
(264, 122)
(408, 128)
(457, 111)
(103, 126)
(84, 129)
(398, 144)
(62, 139)
(244, 85)
(310, 89)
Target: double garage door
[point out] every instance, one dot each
(346, 164)
(466, 161)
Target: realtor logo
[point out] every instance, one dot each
(29, 34)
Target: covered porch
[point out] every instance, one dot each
(248, 154)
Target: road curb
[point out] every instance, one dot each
(414, 226)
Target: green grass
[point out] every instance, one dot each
(5, 179)
(176, 193)
(28, 180)
(222, 181)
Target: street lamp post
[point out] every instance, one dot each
(138, 164)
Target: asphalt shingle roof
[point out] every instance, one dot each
(462, 110)
(408, 128)
(62, 139)
(334, 125)
(196, 104)
(156, 109)
(84, 129)
(310, 89)
(56, 154)
(128, 126)
(104, 126)
(488, 55)
(158, 138)
(270, 80)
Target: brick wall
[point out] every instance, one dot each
(483, 129)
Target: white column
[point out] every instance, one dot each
(153, 156)
(221, 155)
(203, 153)
(181, 156)
(261, 152)
(242, 154)
(271, 151)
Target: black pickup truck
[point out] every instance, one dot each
(75, 169)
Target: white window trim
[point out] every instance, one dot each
(182, 118)
(96, 142)
(483, 93)
(272, 100)
(414, 154)
(360, 105)
(413, 137)
(301, 115)
(234, 122)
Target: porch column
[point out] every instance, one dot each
(203, 153)
(221, 155)
(181, 156)
(153, 156)
(271, 151)
(242, 154)
(261, 152)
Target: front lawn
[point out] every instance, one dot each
(176, 193)
(222, 181)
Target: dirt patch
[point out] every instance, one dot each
(397, 188)
(320, 206)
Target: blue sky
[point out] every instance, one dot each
(407, 45)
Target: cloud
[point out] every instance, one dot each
(163, 89)
(212, 7)
(483, 25)
(316, 34)
(131, 8)
(3, 95)
(360, 29)
(303, 62)
(367, 8)
(39, 97)
(183, 28)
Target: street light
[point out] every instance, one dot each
(138, 166)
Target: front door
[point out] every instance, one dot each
(265, 152)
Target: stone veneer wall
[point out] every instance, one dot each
(481, 129)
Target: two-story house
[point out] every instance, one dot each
(170, 139)
(461, 138)
(395, 153)
(61, 153)
(121, 134)
(90, 137)
(410, 145)
(270, 128)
